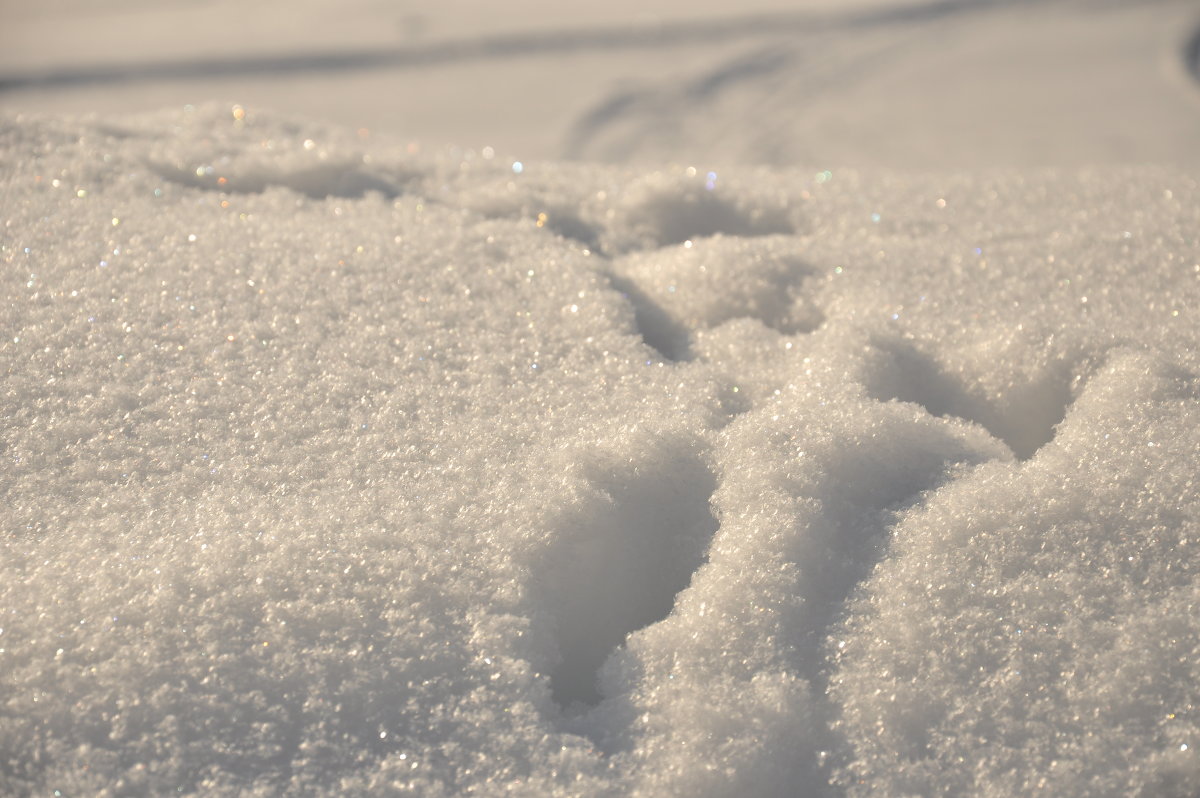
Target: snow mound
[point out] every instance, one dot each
(335, 468)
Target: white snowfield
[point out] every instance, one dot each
(336, 462)
(910, 84)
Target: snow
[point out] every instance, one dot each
(909, 84)
(344, 460)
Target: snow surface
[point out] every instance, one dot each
(909, 84)
(339, 463)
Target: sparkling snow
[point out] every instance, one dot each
(337, 463)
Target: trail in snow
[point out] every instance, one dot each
(940, 85)
(344, 462)
(673, 33)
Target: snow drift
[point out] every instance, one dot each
(333, 468)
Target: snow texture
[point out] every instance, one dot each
(330, 468)
(338, 463)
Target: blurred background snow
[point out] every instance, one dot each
(897, 83)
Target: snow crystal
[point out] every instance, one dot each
(332, 467)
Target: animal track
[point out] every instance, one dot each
(853, 501)
(662, 211)
(621, 557)
(807, 517)
(1024, 419)
(659, 329)
(675, 293)
(861, 489)
(570, 225)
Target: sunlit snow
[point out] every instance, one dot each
(793, 440)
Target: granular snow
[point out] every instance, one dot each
(333, 468)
